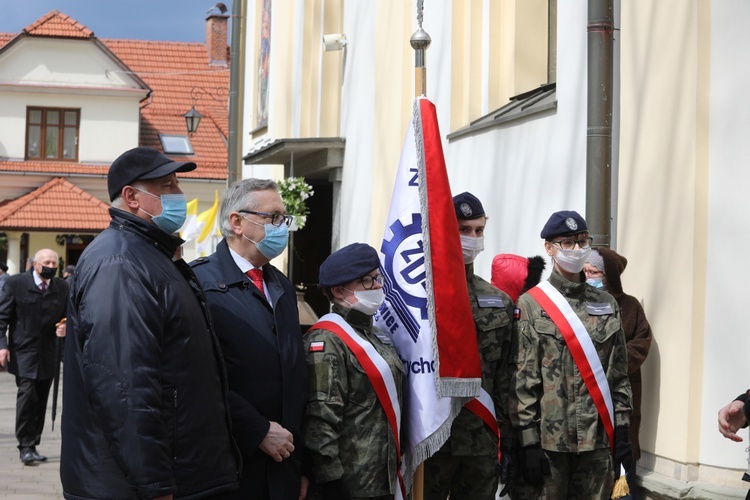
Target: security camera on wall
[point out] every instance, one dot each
(334, 42)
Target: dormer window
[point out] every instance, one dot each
(176, 144)
(52, 133)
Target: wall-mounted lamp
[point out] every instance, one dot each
(193, 117)
(334, 42)
(192, 120)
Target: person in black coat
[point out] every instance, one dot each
(145, 391)
(258, 327)
(32, 305)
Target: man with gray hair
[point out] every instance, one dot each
(32, 306)
(254, 309)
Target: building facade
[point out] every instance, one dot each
(339, 117)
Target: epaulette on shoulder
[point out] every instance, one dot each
(199, 261)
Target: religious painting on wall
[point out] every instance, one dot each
(263, 61)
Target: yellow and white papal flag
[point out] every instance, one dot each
(190, 228)
(210, 233)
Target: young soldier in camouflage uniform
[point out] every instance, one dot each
(565, 449)
(346, 431)
(466, 466)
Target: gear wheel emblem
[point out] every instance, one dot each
(404, 263)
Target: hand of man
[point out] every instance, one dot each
(334, 490)
(4, 357)
(278, 443)
(535, 464)
(61, 328)
(508, 463)
(731, 419)
(623, 452)
(303, 486)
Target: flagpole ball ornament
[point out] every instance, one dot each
(141, 164)
(348, 264)
(564, 223)
(420, 40)
(468, 206)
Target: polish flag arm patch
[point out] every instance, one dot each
(319, 346)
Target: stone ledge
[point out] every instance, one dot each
(655, 486)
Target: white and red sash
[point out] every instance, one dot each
(380, 376)
(483, 407)
(581, 348)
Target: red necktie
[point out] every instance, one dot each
(43, 286)
(256, 276)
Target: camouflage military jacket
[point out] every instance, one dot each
(345, 430)
(549, 402)
(492, 310)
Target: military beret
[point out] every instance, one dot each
(348, 264)
(468, 206)
(564, 223)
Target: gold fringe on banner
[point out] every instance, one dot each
(621, 488)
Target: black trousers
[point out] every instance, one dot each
(31, 407)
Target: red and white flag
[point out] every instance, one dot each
(427, 310)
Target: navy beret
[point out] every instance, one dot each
(348, 264)
(141, 164)
(468, 206)
(564, 223)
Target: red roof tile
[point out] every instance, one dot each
(57, 24)
(58, 205)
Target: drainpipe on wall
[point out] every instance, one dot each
(599, 124)
(236, 92)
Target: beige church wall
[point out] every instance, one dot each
(662, 210)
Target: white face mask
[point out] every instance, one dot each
(572, 261)
(368, 301)
(471, 247)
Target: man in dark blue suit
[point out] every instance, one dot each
(254, 310)
(32, 305)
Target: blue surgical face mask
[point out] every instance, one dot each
(173, 212)
(596, 282)
(275, 241)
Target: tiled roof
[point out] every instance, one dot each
(57, 205)
(52, 167)
(58, 24)
(180, 77)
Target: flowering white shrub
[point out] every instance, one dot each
(294, 191)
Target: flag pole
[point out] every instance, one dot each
(419, 41)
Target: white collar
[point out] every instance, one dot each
(241, 262)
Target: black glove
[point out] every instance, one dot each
(623, 453)
(508, 462)
(334, 490)
(535, 464)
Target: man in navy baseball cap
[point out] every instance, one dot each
(141, 164)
